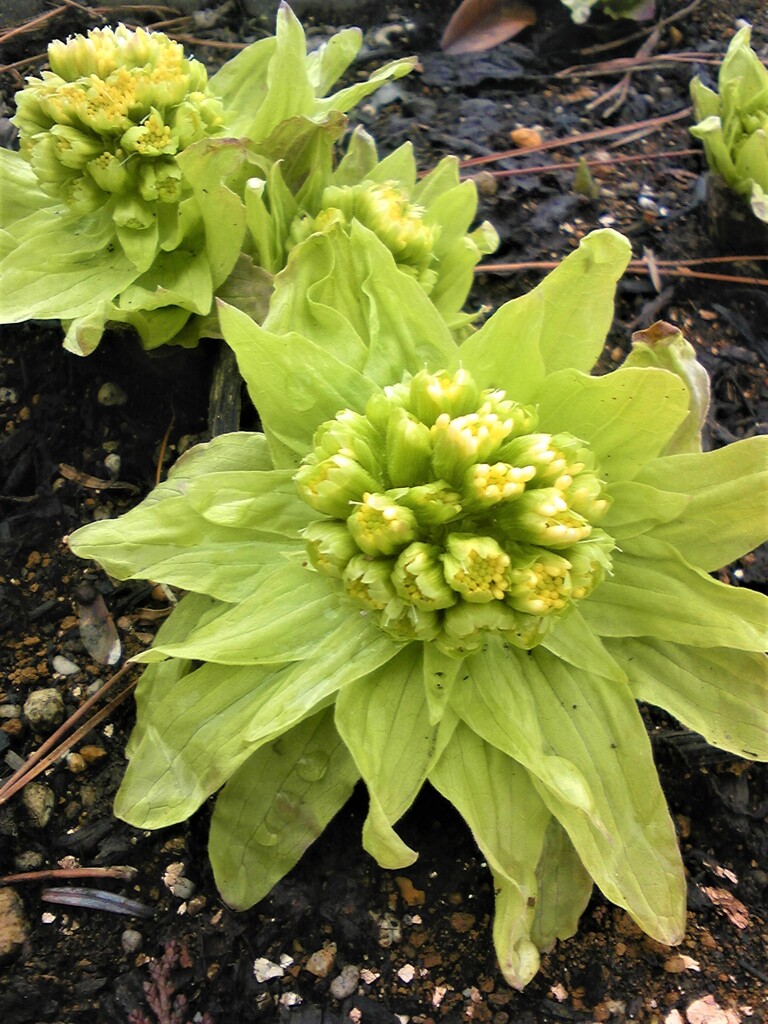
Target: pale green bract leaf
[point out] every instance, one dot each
(291, 405)
(493, 698)
(275, 805)
(561, 323)
(383, 720)
(725, 516)
(633, 855)
(572, 640)
(637, 507)
(81, 270)
(720, 693)
(205, 725)
(564, 888)
(285, 618)
(627, 417)
(664, 346)
(509, 821)
(653, 592)
(247, 500)
(165, 538)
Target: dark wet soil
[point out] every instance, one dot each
(420, 940)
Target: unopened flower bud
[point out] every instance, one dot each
(380, 405)
(74, 148)
(432, 394)
(542, 516)
(160, 180)
(486, 485)
(409, 449)
(405, 622)
(522, 418)
(476, 567)
(369, 582)
(459, 442)
(110, 173)
(590, 563)
(330, 547)
(466, 626)
(586, 495)
(433, 504)
(380, 526)
(332, 485)
(539, 581)
(418, 577)
(132, 212)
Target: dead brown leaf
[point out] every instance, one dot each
(478, 25)
(733, 909)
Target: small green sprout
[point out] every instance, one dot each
(733, 123)
(461, 564)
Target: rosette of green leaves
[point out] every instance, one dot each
(424, 224)
(638, 10)
(126, 196)
(404, 579)
(733, 122)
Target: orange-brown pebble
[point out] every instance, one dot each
(92, 754)
(411, 896)
(525, 138)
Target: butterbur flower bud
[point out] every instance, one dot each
(409, 449)
(463, 440)
(466, 628)
(418, 577)
(332, 485)
(109, 173)
(433, 504)
(590, 563)
(432, 394)
(133, 212)
(476, 567)
(521, 419)
(74, 148)
(162, 182)
(380, 526)
(586, 495)
(486, 485)
(330, 547)
(539, 582)
(405, 622)
(379, 407)
(353, 435)
(542, 516)
(369, 582)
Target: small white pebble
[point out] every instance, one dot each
(131, 940)
(407, 973)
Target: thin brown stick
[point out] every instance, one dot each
(29, 26)
(123, 871)
(26, 774)
(568, 165)
(640, 62)
(9, 787)
(672, 268)
(163, 446)
(652, 123)
(602, 47)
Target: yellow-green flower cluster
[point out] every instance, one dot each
(448, 515)
(387, 211)
(108, 119)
